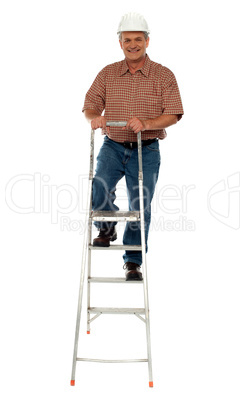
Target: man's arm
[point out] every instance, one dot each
(135, 124)
(158, 123)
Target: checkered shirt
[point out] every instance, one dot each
(149, 93)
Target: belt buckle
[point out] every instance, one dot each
(128, 144)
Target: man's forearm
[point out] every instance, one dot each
(160, 122)
(91, 114)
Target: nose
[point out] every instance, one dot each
(133, 44)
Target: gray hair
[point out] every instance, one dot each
(146, 35)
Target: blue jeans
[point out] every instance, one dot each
(114, 161)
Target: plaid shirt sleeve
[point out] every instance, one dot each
(171, 100)
(95, 97)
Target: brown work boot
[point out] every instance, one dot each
(105, 236)
(132, 271)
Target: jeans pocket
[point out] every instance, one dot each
(153, 147)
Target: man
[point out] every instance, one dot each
(146, 95)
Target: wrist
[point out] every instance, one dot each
(147, 124)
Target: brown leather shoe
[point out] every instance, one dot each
(105, 236)
(132, 271)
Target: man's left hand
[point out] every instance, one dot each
(135, 124)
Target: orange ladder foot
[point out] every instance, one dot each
(151, 384)
(72, 382)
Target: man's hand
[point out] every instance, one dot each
(96, 120)
(135, 124)
(99, 122)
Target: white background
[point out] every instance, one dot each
(50, 53)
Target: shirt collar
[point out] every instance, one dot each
(145, 69)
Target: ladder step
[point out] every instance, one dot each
(116, 247)
(80, 359)
(110, 280)
(116, 310)
(115, 216)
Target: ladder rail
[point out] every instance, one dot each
(144, 266)
(84, 256)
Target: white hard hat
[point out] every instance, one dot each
(133, 22)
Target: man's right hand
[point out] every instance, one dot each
(99, 122)
(95, 120)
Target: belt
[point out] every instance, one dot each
(132, 145)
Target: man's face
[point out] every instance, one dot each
(134, 45)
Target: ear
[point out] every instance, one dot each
(120, 43)
(147, 41)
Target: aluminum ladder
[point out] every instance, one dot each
(86, 260)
